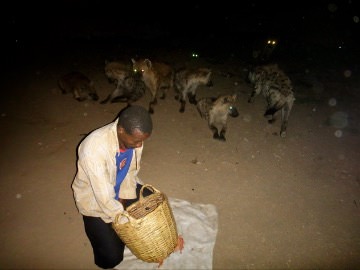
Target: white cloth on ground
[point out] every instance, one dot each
(197, 224)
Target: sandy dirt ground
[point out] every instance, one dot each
(289, 202)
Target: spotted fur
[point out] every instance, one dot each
(130, 90)
(216, 112)
(277, 89)
(79, 85)
(187, 81)
(157, 76)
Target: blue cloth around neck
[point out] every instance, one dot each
(123, 161)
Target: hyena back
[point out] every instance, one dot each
(157, 76)
(186, 81)
(216, 112)
(79, 85)
(277, 89)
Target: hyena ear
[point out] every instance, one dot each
(133, 60)
(234, 96)
(148, 63)
(106, 61)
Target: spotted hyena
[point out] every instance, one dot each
(157, 76)
(216, 112)
(116, 72)
(277, 89)
(130, 90)
(79, 85)
(186, 82)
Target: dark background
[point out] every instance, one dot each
(301, 27)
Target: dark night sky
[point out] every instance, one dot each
(326, 23)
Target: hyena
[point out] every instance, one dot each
(117, 72)
(277, 89)
(157, 76)
(186, 81)
(216, 112)
(130, 90)
(79, 85)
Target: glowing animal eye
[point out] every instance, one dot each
(274, 42)
(195, 55)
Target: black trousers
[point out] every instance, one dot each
(107, 247)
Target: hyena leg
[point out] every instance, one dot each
(182, 105)
(285, 112)
(270, 118)
(192, 95)
(192, 98)
(153, 101)
(215, 132)
(216, 135)
(222, 134)
(163, 92)
(256, 91)
(182, 101)
(252, 96)
(274, 106)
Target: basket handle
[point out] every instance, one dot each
(132, 220)
(125, 214)
(148, 186)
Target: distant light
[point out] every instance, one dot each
(347, 73)
(338, 133)
(332, 101)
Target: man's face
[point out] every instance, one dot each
(134, 140)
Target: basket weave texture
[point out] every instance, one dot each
(150, 232)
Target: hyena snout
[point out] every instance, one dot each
(233, 112)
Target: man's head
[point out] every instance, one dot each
(134, 126)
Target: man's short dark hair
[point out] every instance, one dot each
(135, 117)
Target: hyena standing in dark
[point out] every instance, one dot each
(158, 78)
(116, 72)
(216, 112)
(130, 90)
(186, 82)
(79, 85)
(277, 89)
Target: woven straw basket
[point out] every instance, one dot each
(150, 232)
